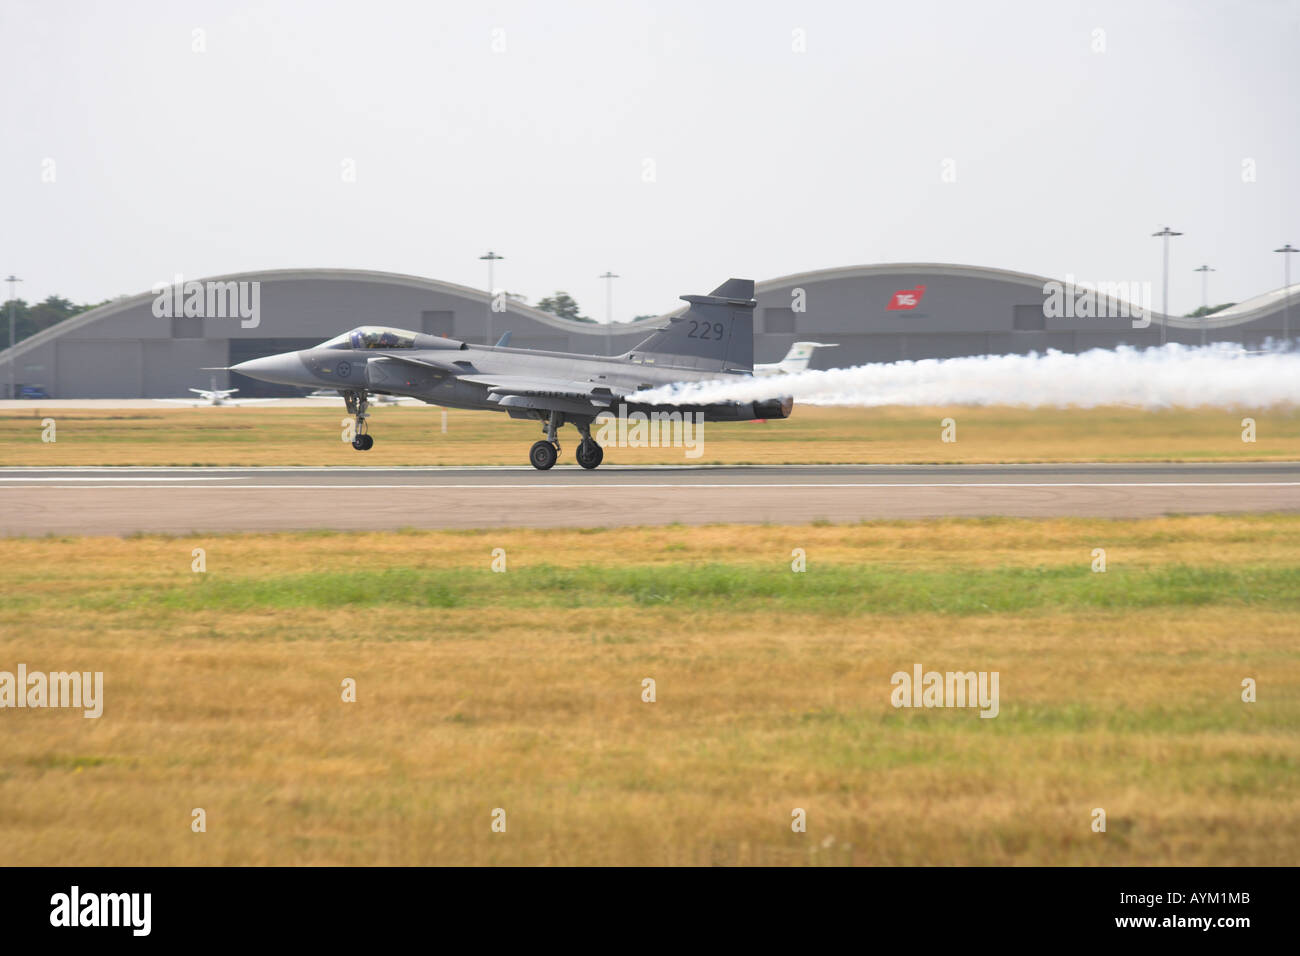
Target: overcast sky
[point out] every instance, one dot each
(676, 143)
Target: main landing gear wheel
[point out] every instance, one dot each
(363, 443)
(542, 455)
(590, 454)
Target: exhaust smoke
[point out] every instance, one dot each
(1221, 375)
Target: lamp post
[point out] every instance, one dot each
(492, 258)
(1166, 233)
(1205, 297)
(609, 278)
(13, 301)
(1286, 290)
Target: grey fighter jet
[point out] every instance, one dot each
(712, 339)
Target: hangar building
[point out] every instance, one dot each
(876, 313)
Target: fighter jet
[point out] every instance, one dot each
(796, 360)
(713, 339)
(214, 396)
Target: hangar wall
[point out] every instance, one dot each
(123, 350)
(962, 310)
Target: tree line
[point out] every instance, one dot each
(32, 318)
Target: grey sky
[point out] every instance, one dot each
(766, 161)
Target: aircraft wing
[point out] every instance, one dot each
(521, 391)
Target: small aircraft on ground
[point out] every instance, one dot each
(215, 396)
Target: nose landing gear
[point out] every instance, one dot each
(357, 404)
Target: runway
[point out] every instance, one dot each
(182, 500)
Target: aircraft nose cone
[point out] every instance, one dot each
(283, 369)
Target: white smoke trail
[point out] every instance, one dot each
(1221, 375)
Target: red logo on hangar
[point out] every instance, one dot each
(906, 299)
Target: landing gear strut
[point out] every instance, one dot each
(357, 404)
(544, 453)
(590, 454)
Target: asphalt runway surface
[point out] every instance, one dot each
(70, 501)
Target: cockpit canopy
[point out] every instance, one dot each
(372, 337)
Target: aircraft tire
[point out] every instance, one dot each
(542, 455)
(590, 454)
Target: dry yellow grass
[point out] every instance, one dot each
(532, 702)
(412, 436)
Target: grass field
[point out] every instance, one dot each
(413, 436)
(523, 691)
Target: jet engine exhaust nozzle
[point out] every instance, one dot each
(774, 407)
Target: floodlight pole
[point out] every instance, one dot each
(1205, 297)
(1166, 233)
(492, 258)
(609, 278)
(1286, 289)
(13, 301)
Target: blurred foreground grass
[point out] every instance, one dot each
(523, 690)
(268, 435)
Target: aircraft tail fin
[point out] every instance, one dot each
(716, 332)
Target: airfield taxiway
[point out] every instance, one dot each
(182, 500)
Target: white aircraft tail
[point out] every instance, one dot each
(800, 354)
